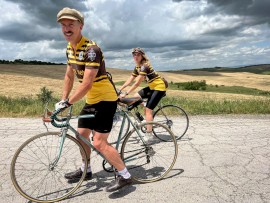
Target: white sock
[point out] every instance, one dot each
(88, 168)
(124, 173)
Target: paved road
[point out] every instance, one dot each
(222, 159)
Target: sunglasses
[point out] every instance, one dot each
(136, 54)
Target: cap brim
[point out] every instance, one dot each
(67, 17)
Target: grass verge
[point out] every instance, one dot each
(28, 107)
(213, 107)
(31, 107)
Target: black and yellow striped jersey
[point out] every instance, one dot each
(89, 56)
(155, 82)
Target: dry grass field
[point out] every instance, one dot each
(244, 79)
(26, 80)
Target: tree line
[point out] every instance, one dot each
(33, 62)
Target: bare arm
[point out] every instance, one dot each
(68, 82)
(139, 79)
(85, 86)
(131, 78)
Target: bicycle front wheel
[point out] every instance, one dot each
(37, 176)
(149, 161)
(175, 118)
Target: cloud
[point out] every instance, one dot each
(30, 22)
(21, 32)
(44, 12)
(254, 8)
(175, 34)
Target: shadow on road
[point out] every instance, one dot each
(101, 180)
(173, 173)
(122, 192)
(98, 183)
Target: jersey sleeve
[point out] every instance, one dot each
(135, 72)
(144, 70)
(68, 61)
(93, 57)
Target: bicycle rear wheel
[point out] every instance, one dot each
(118, 120)
(175, 118)
(36, 177)
(149, 162)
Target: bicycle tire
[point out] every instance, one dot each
(107, 166)
(174, 117)
(119, 118)
(149, 162)
(30, 167)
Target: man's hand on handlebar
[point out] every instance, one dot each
(63, 104)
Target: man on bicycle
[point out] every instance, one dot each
(85, 60)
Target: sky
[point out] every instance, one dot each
(175, 34)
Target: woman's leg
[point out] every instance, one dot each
(153, 100)
(149, 117)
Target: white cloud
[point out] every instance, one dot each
(11, 12)
(175, 35)
(31, 51)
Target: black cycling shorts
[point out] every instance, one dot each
(153, 96)
(103, 120)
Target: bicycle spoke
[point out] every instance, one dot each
(149, 162)
(173, 117)
(34, 173)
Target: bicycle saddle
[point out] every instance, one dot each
(132, 102)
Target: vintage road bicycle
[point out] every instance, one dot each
(172, 116)
(38, 166)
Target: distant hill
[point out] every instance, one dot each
(257, 69)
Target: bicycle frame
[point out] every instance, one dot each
(66, 127)
(134, 125)
(159, 107)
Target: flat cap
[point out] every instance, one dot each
(69, 13)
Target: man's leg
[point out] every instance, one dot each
(85, 132)
(113, 157)
(109, 152)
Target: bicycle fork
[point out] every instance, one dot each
(60, 149)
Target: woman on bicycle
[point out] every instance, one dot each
(156, 88)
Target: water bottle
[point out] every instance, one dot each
(139, 116)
